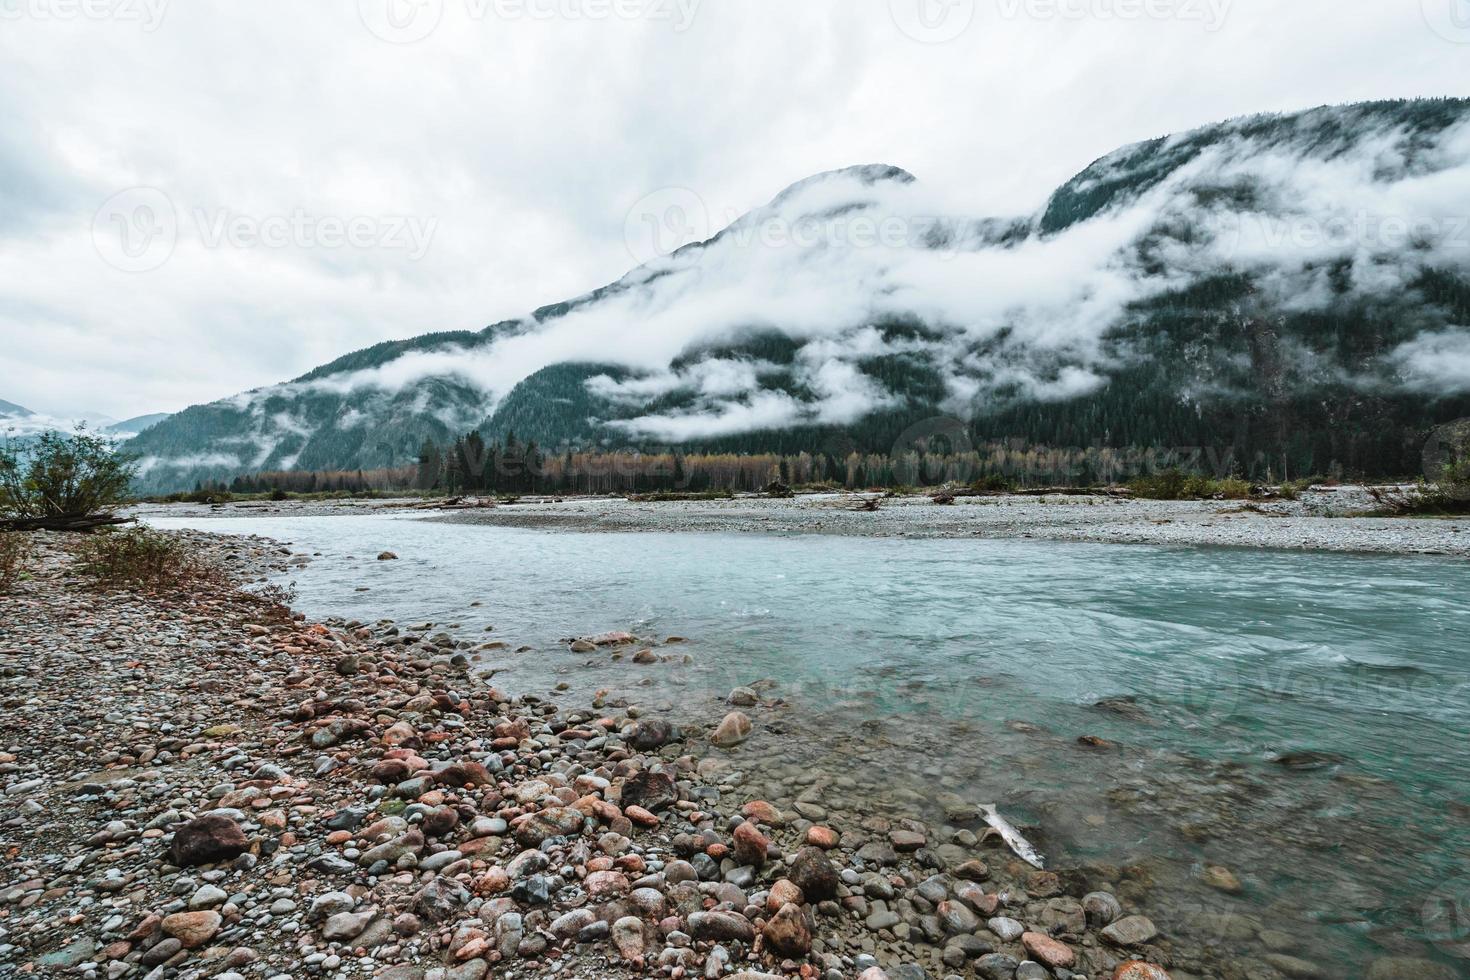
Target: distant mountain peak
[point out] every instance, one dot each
(865, 174)
(10, 410)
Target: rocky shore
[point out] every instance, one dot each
(1325, 519)
(204, 785)
(1318, 522)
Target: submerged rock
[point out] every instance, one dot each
(1139, 970)
(1133, 930)
(732, 730)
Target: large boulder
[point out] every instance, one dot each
(207, 839)
(750, 845)
(787, 932)
(813, 874)
(721, 926)
(733, 729)
(192, 929)
(653, 791)
(464, 773)
(648, 734)
(553, 822)
(439, 900)
(1048, 951)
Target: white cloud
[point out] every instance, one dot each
(1437, 363)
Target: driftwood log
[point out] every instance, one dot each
(1049, 492)
(72, 522)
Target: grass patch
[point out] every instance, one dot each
(1175, 484)
(139, 558)
(15, 553)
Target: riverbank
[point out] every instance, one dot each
(1320, 521)
(354, 803)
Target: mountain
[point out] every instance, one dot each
(21, 425)
(133, 426)
(1293, 289)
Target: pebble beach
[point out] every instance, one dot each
(203, 785)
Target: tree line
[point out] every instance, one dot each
(471, 466)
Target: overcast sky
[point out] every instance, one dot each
(202, 197)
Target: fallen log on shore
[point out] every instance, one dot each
(71, 522)
(1116, 492)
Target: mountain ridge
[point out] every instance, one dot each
(1148, 299)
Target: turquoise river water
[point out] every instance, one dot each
(1301, 719)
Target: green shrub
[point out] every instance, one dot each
(145, 559)
(1165, 485)
(1233, 488)
(992, 483)
(1175, 484)
(63, 476)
